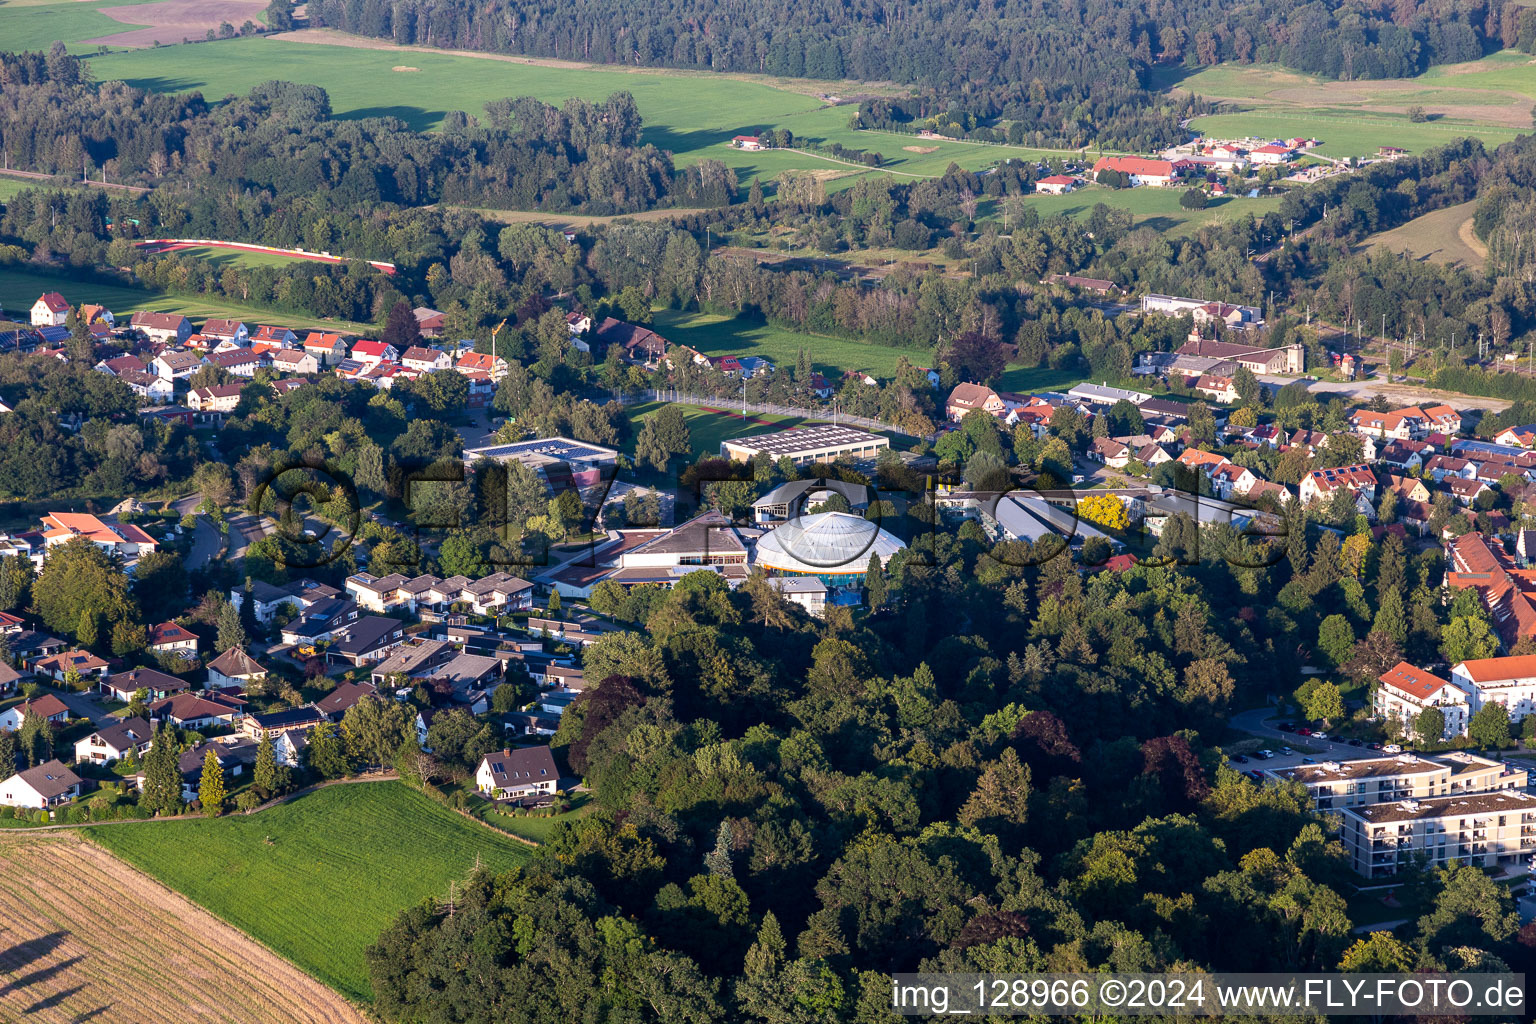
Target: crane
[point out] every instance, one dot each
(495, 331)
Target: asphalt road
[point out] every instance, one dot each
(84, 705)
(207, 541)
(1260, 722)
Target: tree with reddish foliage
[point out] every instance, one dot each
(1044, 744)
(401, 329)
(977, 358)
(989, 928)
(599, 708)
(1176, 769)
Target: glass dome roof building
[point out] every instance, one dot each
(833, 546)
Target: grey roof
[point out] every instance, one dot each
(127, 733)
(711, 532)
(368, 633)
(793, 490)
(467, 669)
(50, 779)
(1025, 517)
(525, 766)
(290, 718)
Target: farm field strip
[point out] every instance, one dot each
(85, 932)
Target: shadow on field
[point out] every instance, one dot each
(53, 1000)
(24, 953)
(415, 117)
(41, 974)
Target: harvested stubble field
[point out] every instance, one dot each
(84, 936)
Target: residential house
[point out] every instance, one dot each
(234, 668)
(492, 366)
(220, 398)
(51, 310)
(198, 710)
(47, 707)
(288, 747)
(163, 328)
(1507, 593)
(327, 348)
(1408, 489)
(638, 344)
(342, 699)
(1272, 154)
(172, 638)
(367, 640)
(1440, 467)
(1508, 682)
(115, 742)
(48, 784)
(173, 364)
(9, 678)
(1465, 491)
(239, 362)
(1406, 691)
(521, 774)
(1114, 454)
(415, 659)
(158, 685)
(372, 353)
(59, 666)
(1402, 455)
(282, 337)
(1142, 171)
(747, 142)
(295, 360)
(1220, 388)
(226, 330)
(969, 397)
(1056, 184)
(426, 360)
(578, 323)
(1320, 484)
(269, 723)
(148, 386)
(118, 365)
(1229, 481)
(90, 314)
(428, 321)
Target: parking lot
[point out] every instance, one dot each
(1264, 726)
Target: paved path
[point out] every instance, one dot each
(84, 705)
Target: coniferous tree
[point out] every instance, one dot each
(210, 789)
(162, 774)
(231, 631)
(7, 754)
(35, 739)
(264, 774)
(875, 582)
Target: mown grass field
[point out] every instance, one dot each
(1443, 236)
(88, 937)
(236, 257)
(1489, 99)
(318, 879)
(707, 427)
(716, 335)
(19, 289)
(1156, 208)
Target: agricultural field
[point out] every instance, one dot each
(222, 257)
(1156, 208)
(716, 335)
(1444, 236)
(19, 289)
(707, 427)
(86, 936)
(370, 78)
(318, 879)
(1489, 99)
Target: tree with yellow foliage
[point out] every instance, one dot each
(1104, 510)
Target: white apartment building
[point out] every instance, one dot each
(1338, 785)
(1482, 829)
(1507, 681)
(1405, 691)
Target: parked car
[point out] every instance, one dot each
(1319, 735)
(1264, 755)
(1375, 746)
(1355, 742)
(1287, 751)
(1309, 760)
(1241, 758)
(1286, 727)
(1392, 748)
(1303, 731)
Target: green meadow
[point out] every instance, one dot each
(716, 335)
(19, 289)
(36, 26)
(320, 878)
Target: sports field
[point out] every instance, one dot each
(19, 289)
(718, 335)
(1489, 99)
(707, 427)
(1443, 236)
(90, 938)
(318, 879)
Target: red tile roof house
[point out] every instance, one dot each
(280, 336)
(196, 710)
(226, 330)
(492, 365)
(426, 360)
(123, 685)
(1056, 184)
(1405, 691)
(220, 398)
(1508, 594)
(372, 353)
(328, 349)
(969, 397)
(51, 310)
(48, 784)
(1141, 170)
(168, 637)
(1320, 483)
(428, 321)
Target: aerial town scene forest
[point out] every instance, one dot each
(797, 514)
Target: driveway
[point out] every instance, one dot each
(84, 705)
(207, 541)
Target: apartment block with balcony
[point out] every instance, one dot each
(1339, 785)
(1486, 830)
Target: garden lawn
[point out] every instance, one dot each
(320, 878)
(716, 335)
(19, 289)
